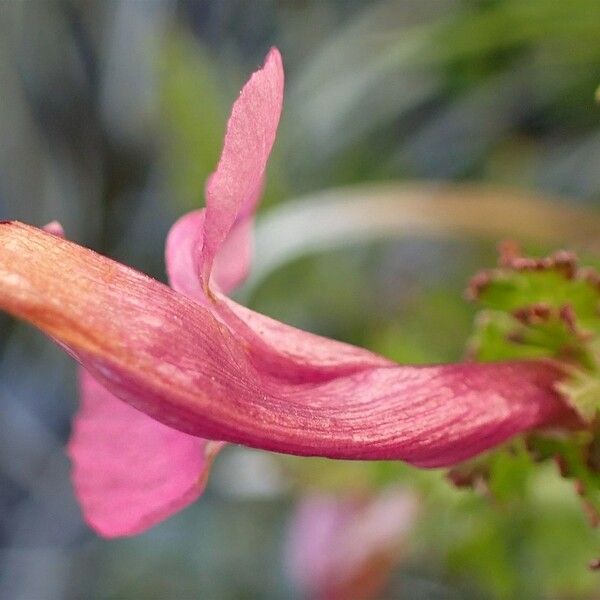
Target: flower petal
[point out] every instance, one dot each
(170, 357)
(232, 191)
(232, 261)
(289, 353)
(234, 188)
(130, 471)
(182, 269)
(223, 232)
(283, 350)
(54, 227)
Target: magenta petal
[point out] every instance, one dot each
(231, 263)
(55, 228)
(130, 471)
(217, 241)
(282, 350)
(182, 268)
(233, 189)
(289, 353)
(169, 357)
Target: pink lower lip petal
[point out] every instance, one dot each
(130, 471)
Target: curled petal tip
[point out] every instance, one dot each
(55, 228)
(274, 57)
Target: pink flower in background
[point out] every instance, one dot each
(341, 548)
(166, 370)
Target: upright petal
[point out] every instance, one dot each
(234, 188)
(130, 471)
(219, 238)
(232, 192)
(169, 357)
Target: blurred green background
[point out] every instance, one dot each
(112, 116)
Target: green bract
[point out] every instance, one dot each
(544, 308)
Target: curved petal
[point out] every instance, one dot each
(130, 471)
(289, 353)
(170, 357)
(234, 188)
(232, 261)
(54, 227)
(180, 259)
(223, 232)
(232, 192)
(283, 350)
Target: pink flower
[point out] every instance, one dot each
(191, 365)
(341, 548)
